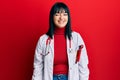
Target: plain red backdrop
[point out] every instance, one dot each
(23, 21)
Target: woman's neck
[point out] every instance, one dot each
(59, 30)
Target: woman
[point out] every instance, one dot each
(60, 53)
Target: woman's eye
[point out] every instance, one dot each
(56, 14)
(65, 14)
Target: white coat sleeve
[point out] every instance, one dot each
(38, 63)
(83, 62)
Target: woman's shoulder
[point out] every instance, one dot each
(76, 36)
(43, 38)
(74, 33)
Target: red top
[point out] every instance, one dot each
(60, 52)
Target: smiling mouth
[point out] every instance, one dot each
(60, 21)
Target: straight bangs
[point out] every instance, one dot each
(60, 8)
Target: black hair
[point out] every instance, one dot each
(56, 8)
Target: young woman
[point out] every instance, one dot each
(60, 53)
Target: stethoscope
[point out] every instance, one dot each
(48, 41)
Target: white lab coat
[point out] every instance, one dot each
(43, 61)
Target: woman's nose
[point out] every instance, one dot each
(61, 17)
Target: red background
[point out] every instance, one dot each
(23, 21)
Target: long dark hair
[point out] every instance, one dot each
(56, 7)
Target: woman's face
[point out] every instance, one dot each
(60, 19)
